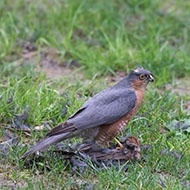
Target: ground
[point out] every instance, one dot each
(55, 54)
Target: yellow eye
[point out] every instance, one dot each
(142, 77)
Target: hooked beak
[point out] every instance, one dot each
(151, 78)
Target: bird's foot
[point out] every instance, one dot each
(108, 144)
(120, 145)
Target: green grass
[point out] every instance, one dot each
(103, 38)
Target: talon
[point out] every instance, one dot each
(120, 145)
(108, 144)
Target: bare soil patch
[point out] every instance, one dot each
(49, 62)
(181, 87)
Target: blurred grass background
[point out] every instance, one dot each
(103, 37)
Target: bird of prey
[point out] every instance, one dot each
(103, 116)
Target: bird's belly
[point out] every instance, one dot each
(108, 132)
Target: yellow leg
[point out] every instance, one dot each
(108, 144)
(120, 145)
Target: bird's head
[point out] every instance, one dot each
(140, 77)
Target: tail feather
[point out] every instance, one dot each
(61, 128)
(57, 134)
(43, 145)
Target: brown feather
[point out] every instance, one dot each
(62, 128)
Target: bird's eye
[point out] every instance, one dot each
(142, 77)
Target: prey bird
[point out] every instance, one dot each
(103, 116)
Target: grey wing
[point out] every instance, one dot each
(104, 109)
(90, 101)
